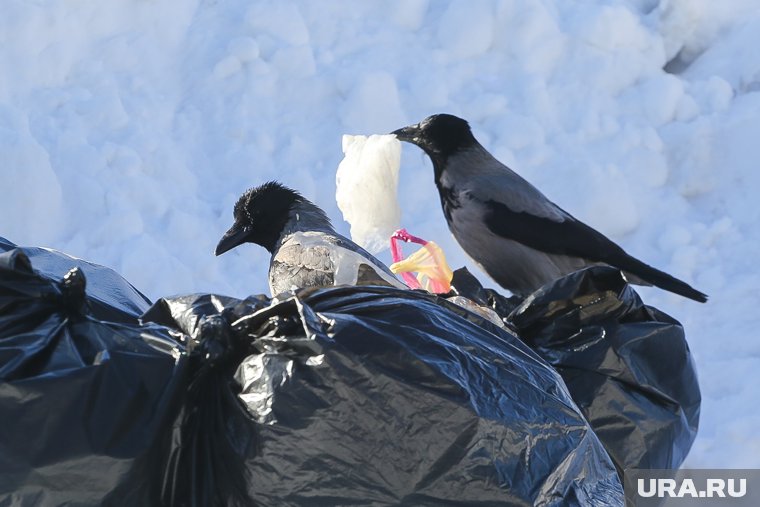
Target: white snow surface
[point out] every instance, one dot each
(128, 129)
(367, 188)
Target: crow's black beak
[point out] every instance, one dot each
(410, 134)
(232, 238)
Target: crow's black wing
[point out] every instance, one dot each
(572, 237)
(568, 237)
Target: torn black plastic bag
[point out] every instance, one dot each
(86, 404)
(376, 396)
(626, 364)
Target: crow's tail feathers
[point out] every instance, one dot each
(659, 278)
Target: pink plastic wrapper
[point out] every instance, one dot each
(429, 262)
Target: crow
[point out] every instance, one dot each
(306, 250)
(507, 226)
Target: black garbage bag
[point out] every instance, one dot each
(627, 365)
(374, 396)
(342, 396)
(86, 404)
(109, 296)
(213, 434)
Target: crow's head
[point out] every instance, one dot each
(260, 216)
(440, 136)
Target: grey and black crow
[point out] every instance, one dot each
(508, 227)
(306, 250)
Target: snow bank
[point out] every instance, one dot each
(367, 183)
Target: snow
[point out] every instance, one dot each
(367, 187)
(128, 129)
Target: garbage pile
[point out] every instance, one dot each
(335, 396)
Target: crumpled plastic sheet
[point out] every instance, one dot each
(110, 297)
(339, 396)
(377, 396)
(627, 365)
(86, 403)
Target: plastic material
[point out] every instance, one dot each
(429, 262)
(86, 403)
(366, 188)
(627, 365)
(377, 396)
(339, 396)
(110, 297)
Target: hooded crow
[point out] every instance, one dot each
(508, 227)
(306, 250)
